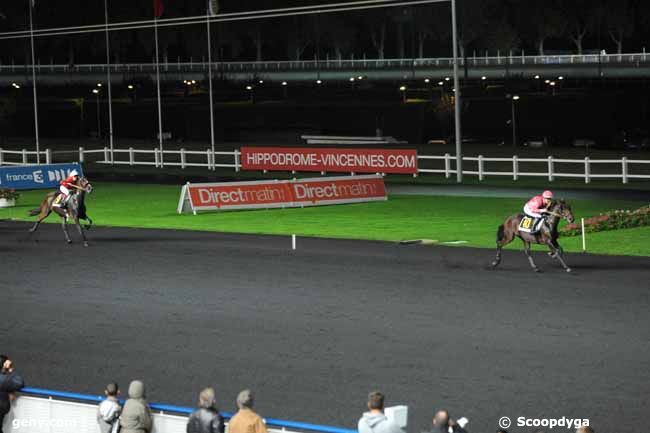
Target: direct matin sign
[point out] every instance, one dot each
(36, 176)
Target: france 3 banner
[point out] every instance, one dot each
(36, 176)
(403, 161)
(281, 194)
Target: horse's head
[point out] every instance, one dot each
(562, 208)
(85, 185)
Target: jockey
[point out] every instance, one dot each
(538, 204)
(65, 185)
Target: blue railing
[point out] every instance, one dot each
(274, 422)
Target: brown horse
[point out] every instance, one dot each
(547, 235)
(75, 209)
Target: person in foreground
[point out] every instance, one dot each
(375, 421)
(10, 382)
(245, 420)
(136, 415)
(442, 423)
(206, 419)
(108, 412)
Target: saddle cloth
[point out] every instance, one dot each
(530, 225)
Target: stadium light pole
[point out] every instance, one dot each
(108, 77)
(457, 96)
(210, 12)
(31, 35)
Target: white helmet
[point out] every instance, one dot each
(74, 173)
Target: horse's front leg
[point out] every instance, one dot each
(530, 257)
(81, 231)
(64, 226)
(556, 251)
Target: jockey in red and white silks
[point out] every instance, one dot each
(66, 184)
(538, 204)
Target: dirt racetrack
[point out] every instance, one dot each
(313, 330)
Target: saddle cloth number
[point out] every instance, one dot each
(527, 224)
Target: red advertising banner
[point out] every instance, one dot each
(330, 159)
(286, 193)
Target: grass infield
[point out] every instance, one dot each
(443, 219)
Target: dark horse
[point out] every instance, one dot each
(76, 209)
(547, 235)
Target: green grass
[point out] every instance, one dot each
(401, 217)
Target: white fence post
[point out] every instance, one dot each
(237, 160)
(210, 156)
(550, 168)
(515, 167)
(48, 156)
(155, 157)
(447, 166)
(81, 154)
(182, 157)
(107, 158)
(624, 169)
(480, 167)
(1, 157)
(24, 156)
(131, 156)
(587, 170)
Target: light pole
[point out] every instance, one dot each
(513, 119)
(457, 102)
(99, 126)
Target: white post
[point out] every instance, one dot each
(210, 156)
(182, 157)
(447, 166)
(237, 160)
(515, 167)
(48, 156)
(106, 154)
(81, 154)
(584, 240)
(24, 156)
(1, 157)
(587, 169)
(550, 168)
(624, 169)
(131, 156)
(480, 167)
(293, 242)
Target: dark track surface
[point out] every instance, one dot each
(313, 331)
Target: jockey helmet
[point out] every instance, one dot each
(547, 194)
(74, 173)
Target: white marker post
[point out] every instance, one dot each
(584, 240)
(293, 242)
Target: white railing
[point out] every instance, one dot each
(268, 66)
(550, 167)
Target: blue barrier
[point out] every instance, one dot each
(281, 423)
(36, 176)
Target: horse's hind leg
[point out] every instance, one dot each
(503, 239)
(530, 257)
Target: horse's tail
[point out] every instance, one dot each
(500, 233)
(34, 212)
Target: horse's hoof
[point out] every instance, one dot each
(495, 264)
(568, 269)
(85, 244)
(69, 242)
(537, 270)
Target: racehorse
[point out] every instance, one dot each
(547, 235)
(76, 209)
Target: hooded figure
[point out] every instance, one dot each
(136, 415)
(207, 418)
(377, 423)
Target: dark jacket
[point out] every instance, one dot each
(9, 382)
(205, 421)
(445, 429)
